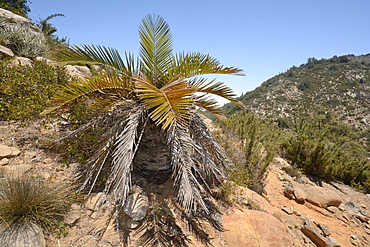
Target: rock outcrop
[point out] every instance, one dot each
(254, 228)
(17, 19)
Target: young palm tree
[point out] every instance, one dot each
(151, 125)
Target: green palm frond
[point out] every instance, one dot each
(193, 64)
(169, 104)
(106, 56)
(210, 105)
(216, 88)
(155, 47)
(114, 86)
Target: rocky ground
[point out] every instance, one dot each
(293, 211)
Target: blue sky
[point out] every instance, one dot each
(263, 37)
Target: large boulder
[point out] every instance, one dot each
(22, 36)
(15, 19)
(254, 228)
(255, 200)
(22, 234)
(78, 71)
(321, 197)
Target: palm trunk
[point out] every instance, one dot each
(152, 160)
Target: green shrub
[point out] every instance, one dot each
(250, 144)
(25, 90)
(30, 200)
(328, 150)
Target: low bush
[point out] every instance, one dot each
(250, 144)
(328, 151)
(25, 90)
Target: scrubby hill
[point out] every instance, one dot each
(339, 86)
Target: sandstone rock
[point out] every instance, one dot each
(315, 236)
(287, 178)
(324, 228)
(132, 224)
(15, 151)
(16, 170)
(288, 191)
(280, 162)
(335, 211)
(23, 61)
(97, 68)
(333, 242)
(299, 195)
(92, 201)
(30, 155)
(73, 215)
(8, 152)
(306, 180)
(321, 197)
(22, 234)
(84, 70)
(137, 204)
(307, 222)
(288, 210)
(259, 201)
(45, 60)
(358, 240)
(254, 228)
(78, 71)
(6, 52)
(357, 211)
(4, 161)
(5, 151)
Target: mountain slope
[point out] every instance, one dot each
(339, 86)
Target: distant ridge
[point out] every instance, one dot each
(339, 86)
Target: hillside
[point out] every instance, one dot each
(339, 86)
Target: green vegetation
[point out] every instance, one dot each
(49, 31)
(19, 7)
(31, 200)
(331, 99)
(329, 151)
(24, 90)
(250, 143)
(337, 85)
(318, 146)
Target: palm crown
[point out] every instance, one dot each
(156, 94)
